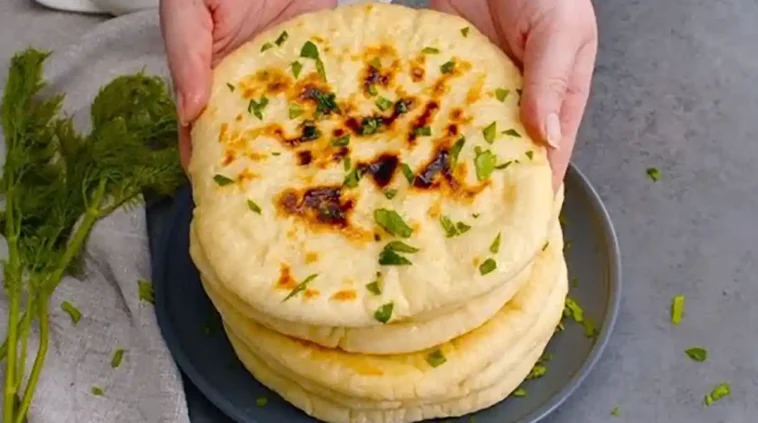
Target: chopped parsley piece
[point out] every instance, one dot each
(261, 401)
(392, 222)
(222, 180)
(372, 90)
(430, 50)
(326, 103)
(376, 63)
(402, 106)
(145, 290)
(383, 104)
(504, 165)
(97, 391)
(484, 162)
(512, 133)
(590, 331)
(423, 131)
(384, 313)
(407, 172)
(465, 31)
(253, 206)
(455, 150)
(519, 393)
(266, 46)
(321, 69)
(309, 50)
(720, 391)
(546, 357)
(654, 174)
(256, 108)
(501, 94)
(495, 246)
(545, 245)
(436, 358)
(300, 287)
(231, 87)
(374, 287)
(72, 311)
(447, 67)
(487, 267)
(295, 111)
(677, 309)
(573, 310)
(530, 154)
(390, 258)
(310, 131)
(118, 357)
(353, 178)
(296, 68)
(537, 371)
(462, 227)
(282, 38)
(453, 229)
(370, 126)
(475, 215)
(490, 132)
(390, 193)
(400, 247)
(346, 163)
(616, 412)
(276, 153)
(697, 353)
(341, 141)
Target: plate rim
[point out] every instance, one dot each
(185, 365)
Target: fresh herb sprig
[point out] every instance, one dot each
(58, 183)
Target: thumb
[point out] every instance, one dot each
(187, 31)
(549, 56)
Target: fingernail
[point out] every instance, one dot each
(553, 130)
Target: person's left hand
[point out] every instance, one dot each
(556, 42)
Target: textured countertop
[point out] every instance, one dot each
(675, 88)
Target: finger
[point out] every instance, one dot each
(572, 109)
(549, 55)
(185, 146)
(187, 30)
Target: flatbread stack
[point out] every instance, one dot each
(373, 223)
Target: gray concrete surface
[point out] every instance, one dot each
(676, 88)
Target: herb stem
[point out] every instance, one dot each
(39, 361)
(13, 281)
(26, 322)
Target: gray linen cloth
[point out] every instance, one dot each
(146, 387)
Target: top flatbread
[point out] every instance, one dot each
(417, 103)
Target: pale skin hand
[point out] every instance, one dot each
(555, 41)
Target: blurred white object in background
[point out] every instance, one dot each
(122, 7)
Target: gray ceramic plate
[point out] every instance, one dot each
(192, 330)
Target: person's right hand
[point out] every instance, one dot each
(199, 33)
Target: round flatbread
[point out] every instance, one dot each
(362, 143)
(451, 370)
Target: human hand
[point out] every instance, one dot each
(556, 43)
(199, 33)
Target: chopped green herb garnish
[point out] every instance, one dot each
(309, 50)
(261, 401)
(501, 94)
(384, 313)
(118, 357)
(654, 174)
(465, 31)
(455, 150)
(484, 162)
(383, 104)
(504, 165)
(341, 141)
(295, 111)
(677, 309)
(390, 193)
(495, 246)
(590, 331)
(256, 107)
(376, 63)
(407, 172)
(392, 222)
(353, 178)
(430, 50)
(374, 287)
(296, 68)
(282, 38)
(447, 67)
(423, 131)
(346, 165)
(222, 180)
(573, 310)
(462, 227)
(276, 153)
(519, 393)
(370, 126)
(301, 286)
(321, 69)
(545, 245)
(512, 133)
(72, 312)
(97, 391)
(436, 358)
(546, 357)
(266, 46)
(530, 154)
(391, 258)
(400, 247)
(697, 353)
(720, 391)
(616, 412)
(253, 206)
(475, 215)
(448, 226)
(537, 371)
(487, 267)
(231, 87)
(145, 291)
(490, 132)
(372, 90)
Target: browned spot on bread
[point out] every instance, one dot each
(245, 176)
(378, 122)
(345, 295)
(418, 68)
(308, 132)
(441, 85)
(311, 257)
(424, 119)
(285, 281)
(452, 130)
(475, 92)
(304, 158)
(381, 169)
(239, 117)
(222, 135)
(339, 155)
(317, 38)
(311, 293)
(435, 211)
(437, 174)
(270, 81)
